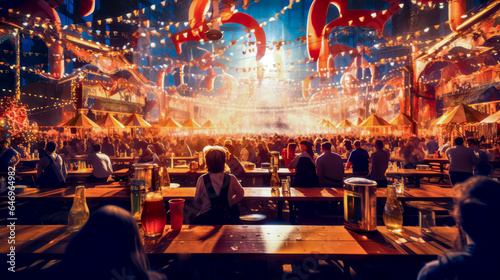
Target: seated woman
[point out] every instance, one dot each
(263, 154)
(288, 154)
(107, 247)
(217, 193)
(51, 169)
(476, 211)
(305, 168)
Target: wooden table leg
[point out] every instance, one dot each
(280, 210)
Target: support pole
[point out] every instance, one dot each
(18, 66)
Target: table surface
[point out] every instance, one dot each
(261, 241)
(118, 192)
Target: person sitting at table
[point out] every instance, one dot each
(358, 160)
(462, 161)
(483, 167)
(379, 164)
(107, 147)
(432, 146)
(182, 149)
(149, 156)
(446, 145)
(304, 166)
(108, 246)
(288, 154)
(476, 210)
(263, 154)
(248, 153)
(8, 157)
(51, 170)
(233, 163)
(67, 151)
(101, 164)
(329, 167)
(217, 193)
(411, 153)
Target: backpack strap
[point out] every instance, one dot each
(221, 201)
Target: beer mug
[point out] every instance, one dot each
(154, 215)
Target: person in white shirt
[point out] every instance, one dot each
(217, 193)
(101, 164)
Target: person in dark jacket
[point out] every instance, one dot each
(108, 246)
(476, 211)
(305, 168)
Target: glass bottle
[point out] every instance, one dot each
(79, 213)
(275, 180)
(393, 211)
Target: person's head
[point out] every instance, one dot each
(211, 141)
(65, 143)
(348, 145)
(51, 147)
(477, 208)
(326, 147)
(109, 243)
(97, 148)
(471, 142)
(379, 144)
(291, 140)
(4, 144)
(458, 141)
(230, 148)
(215, 157)
(357, 144)
(307, 146)
(432, 137)
(292, 147)
(181, 142)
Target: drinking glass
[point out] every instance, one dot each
(176, 213)
(154, 215)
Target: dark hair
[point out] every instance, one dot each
(97, 147)
(229, 148)
(263, 149)
(379, 144)
(309, 146)
(459, 141)
(215, 158)
(291, 140)
(51, 147)
(4, 142)
(357, 143)
(477, 208)
(327, 146)
(109, 243)
(348, 145)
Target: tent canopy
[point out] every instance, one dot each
(136, 121)
(374, 121)
(495, 118)
(191, 124)
(462, 114)
(208, 124)
(402, 120)
(171, 123)
(79, 120)
(359, 121)
(109, 121)
(328, 124)
(345, 124)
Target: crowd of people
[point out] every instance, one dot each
(316, 159)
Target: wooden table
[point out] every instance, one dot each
(119, 193)
(264, 242)
(79, 174)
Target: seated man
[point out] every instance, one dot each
(217, 193)
(380, 163)
(476, 210)
(359, 160)
(51, 170)
(8, 157)
(101, 164)
(330, 167)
